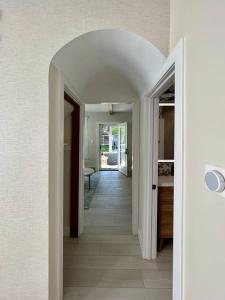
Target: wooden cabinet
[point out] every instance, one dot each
(165, 215)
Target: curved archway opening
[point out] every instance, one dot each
(100, 66)
(105, 64)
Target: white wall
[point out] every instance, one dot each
(31, 33)
(202, 24)
(93, 120)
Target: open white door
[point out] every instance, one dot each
(122, 147)
(155, 156)
(150, 180)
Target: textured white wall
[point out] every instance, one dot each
(31, 33)
(202, 24)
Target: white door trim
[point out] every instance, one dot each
(174, 66)
(145, 239)
(56, 150)
(154, 145)
(74, 95)
(123, 170)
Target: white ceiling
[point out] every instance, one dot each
(109, 66)
(122, 107)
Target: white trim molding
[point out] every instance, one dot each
(75, 96)
(172, 72)
(57, 86)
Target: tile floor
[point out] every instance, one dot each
(105, 262)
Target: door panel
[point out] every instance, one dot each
(74, 166)
(74, 204)
(123, 150)
(155, 156)
(149, 181)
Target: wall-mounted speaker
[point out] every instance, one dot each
(215, 181)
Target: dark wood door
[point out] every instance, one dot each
(74, 168)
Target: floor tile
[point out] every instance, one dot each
(81, 249)
(157, 279)
(103, 278)
(119, 249)
(108, 262)
(116, 294)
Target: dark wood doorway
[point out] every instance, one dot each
(75, 166)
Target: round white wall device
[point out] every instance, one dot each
(215, 181)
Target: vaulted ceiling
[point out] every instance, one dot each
(109, 65)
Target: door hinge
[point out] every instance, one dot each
(154, 186)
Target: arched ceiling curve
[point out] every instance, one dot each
(109, 65)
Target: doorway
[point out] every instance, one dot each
(108, 146)
(92, 262)
(167, 94)
(164, 115)
(148, 186)
(107, 138)
(113, 147)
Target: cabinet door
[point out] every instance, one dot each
(165, 212)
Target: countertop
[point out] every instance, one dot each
(166, 181)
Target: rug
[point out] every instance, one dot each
(89, 194)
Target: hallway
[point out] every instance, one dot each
(105, 263)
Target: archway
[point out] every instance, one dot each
(96, 67)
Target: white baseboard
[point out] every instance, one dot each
(66, 231)
(140, 238)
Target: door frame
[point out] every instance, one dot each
(98, 163)
(119, 153)
(67, 88)
(56, 168)
(173, 69)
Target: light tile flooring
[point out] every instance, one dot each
(105, 263)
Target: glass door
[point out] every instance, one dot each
(123, 151)
(108, 147)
